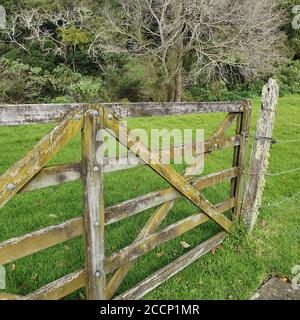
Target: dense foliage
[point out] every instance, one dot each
(59, 51)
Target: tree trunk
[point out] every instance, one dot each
(176, 60)
(178, 76)
(170, 91)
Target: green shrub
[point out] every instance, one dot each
(62, 99)
(20, 83)
(62, 78)
(87, 90)
(220, 91)
(288, 78)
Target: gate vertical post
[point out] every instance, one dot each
(240, 156)
(92, 176)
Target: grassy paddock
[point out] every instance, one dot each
(233, 272)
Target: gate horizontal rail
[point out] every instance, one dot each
(45, 113)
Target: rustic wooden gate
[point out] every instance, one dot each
(31, 173)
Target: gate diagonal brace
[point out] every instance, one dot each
(117, 129)
(161, 213)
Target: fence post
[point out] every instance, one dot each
(92, 176)
(260, 154)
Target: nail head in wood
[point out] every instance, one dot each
(77, 117)
(98, 274)
(11, 186)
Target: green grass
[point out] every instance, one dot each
(234, 272)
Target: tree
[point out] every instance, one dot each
(189, 39)
(56, 29)
(185, 41)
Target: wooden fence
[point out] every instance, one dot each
(31, 173)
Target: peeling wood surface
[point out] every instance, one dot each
(59, 288)
(171, 269)
(45, 113)
(94, 218)
(260, 154)
(21, 172)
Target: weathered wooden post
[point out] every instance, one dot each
(94, 218)
(260, 154)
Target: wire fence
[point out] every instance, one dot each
(279, 203)
(276, 174)
(287, 141)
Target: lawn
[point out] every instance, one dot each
(234, 271)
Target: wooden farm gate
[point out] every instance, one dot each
(31, 173)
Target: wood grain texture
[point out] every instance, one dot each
(45, 113)
(53, 176)
(94, 218)
(171, 269)
(260, 154)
